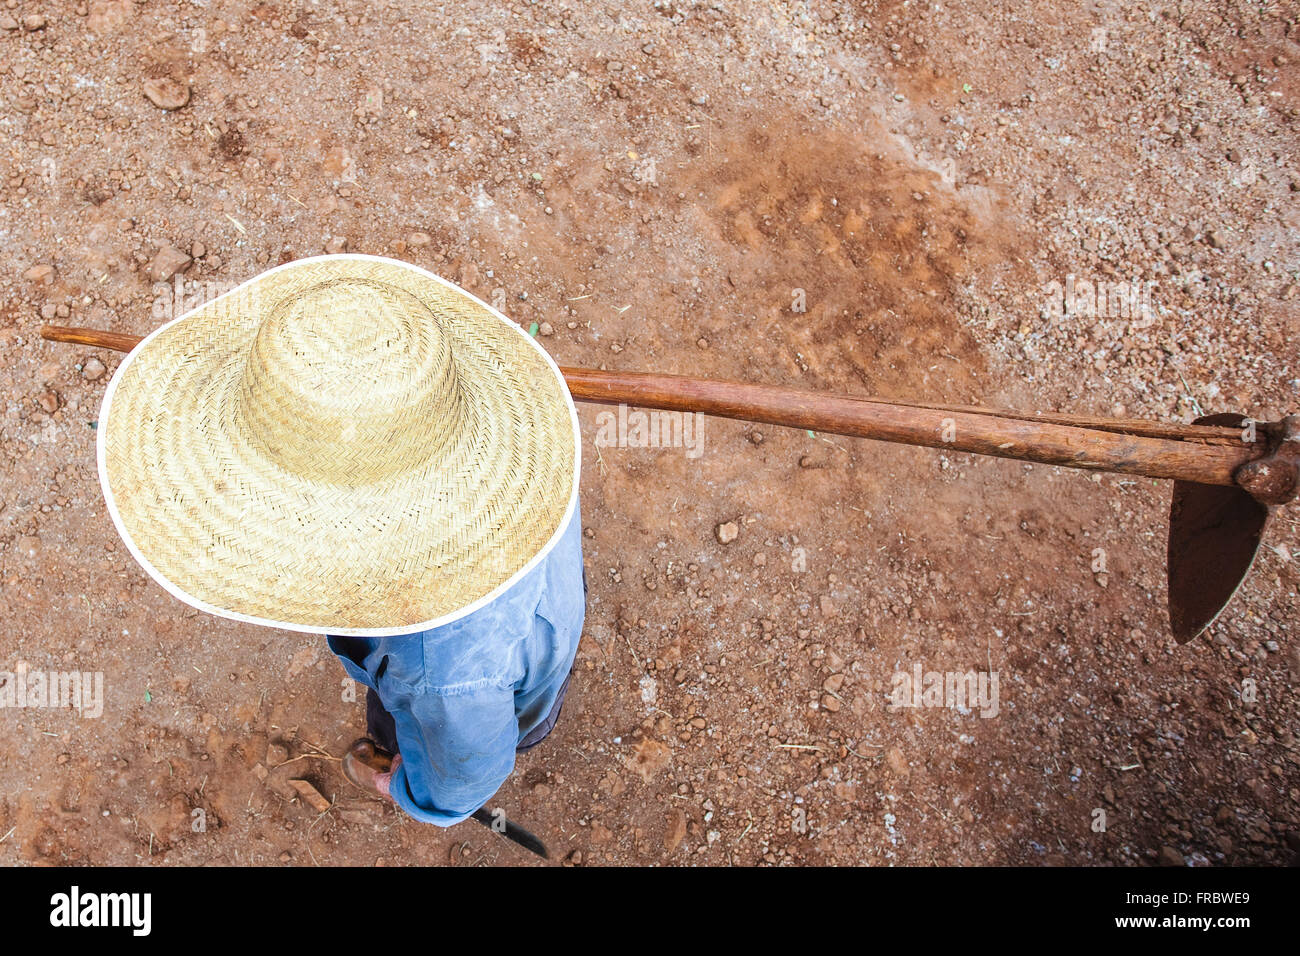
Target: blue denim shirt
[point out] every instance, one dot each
(463, 696)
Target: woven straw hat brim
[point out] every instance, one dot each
(205, 487)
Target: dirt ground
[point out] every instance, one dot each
(660, 185)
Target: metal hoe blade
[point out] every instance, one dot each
(498, 823)
(1214, 533)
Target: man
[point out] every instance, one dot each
(352, 446)
(454, 704)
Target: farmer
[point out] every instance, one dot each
(351, 446)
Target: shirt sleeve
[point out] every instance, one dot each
(458, 747)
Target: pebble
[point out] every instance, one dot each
(417, 239)
(676, 830)
(167, 261)
(41, 272)
(33, 22)
(546, 328)
(108, 15)
(49, 400)
(336, 245)
(166, 93)
(92, 370)
(310, 795)
(728, 531)
(7, 22)
(897, 762)
(1170, 857)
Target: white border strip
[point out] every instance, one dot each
(101, 457)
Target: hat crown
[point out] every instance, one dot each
(349, 382)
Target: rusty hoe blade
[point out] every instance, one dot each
(1214, 532)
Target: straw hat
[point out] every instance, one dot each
(345, 444)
